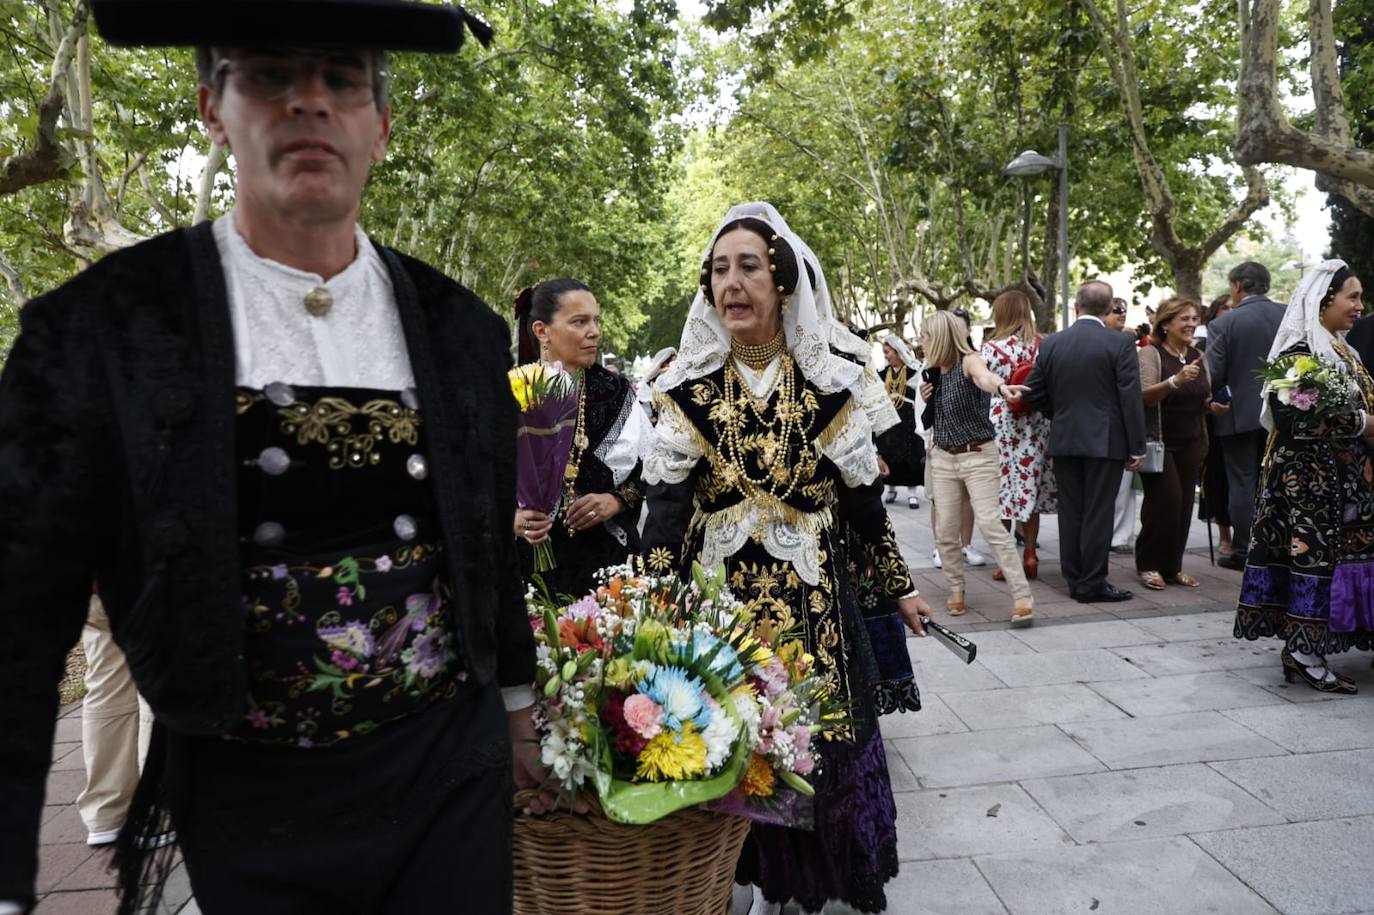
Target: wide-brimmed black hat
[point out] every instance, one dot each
(384, 25)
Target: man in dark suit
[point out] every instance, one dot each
(1237, 348)
(1361, 339)
(1087, 380)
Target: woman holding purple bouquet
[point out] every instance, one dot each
(592, 519)
(1309, 576)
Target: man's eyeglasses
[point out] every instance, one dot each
(269, 79)
(1118, 311)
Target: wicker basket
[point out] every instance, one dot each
(570, 864)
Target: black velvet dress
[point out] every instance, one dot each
(901, 447)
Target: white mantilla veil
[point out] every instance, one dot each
(807, 321)
(1302, 324)
(902, 349)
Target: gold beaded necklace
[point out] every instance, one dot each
(579, 445)
(896, 385)
(758, 357)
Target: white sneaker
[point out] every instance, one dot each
(973, 557)
(935, 558)
(103, 837)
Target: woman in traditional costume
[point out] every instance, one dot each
(901, 447)
(762, 452)
(597, 523)
(1309, 577)
(662, 359)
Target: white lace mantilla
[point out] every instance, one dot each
(674, 447)
(358, 343)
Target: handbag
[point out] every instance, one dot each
(1154, 449)
(1020, 372)
(1154, 458)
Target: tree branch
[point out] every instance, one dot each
(47, 159)
(13, 281)
(1256, 199)
(213, 161)
(1263, 131)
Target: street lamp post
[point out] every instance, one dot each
(1030, 164)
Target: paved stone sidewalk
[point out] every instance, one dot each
(1131, 766)
(1114, 759)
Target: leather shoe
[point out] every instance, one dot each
(1107, 594)
(1235, 562)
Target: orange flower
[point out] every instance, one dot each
(578, 634)
(758, 778)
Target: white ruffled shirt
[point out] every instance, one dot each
(358, 343)
(673, 451)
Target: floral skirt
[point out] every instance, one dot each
(340, 644)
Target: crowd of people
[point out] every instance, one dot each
(299, 508)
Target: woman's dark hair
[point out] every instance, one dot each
(781, 258)
(539, 302)
(1214, 309)
(1337, 282)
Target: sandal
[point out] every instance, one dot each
(956, 607)
(1021, 616)
(1152, 580)
(1188, 581)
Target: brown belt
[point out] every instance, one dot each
(966, 449)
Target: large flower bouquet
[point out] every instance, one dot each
(1309, 384)
(547, 397)
(659, 694)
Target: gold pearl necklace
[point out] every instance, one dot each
(758, 357)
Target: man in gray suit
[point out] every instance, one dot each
(1087, 380)
(1237, 347)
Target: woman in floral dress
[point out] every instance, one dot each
(762, 458)
(1027, 482)
(1309, 575)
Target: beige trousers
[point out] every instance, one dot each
(115, 727)
(974, 473)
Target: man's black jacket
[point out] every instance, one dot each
(117, 467)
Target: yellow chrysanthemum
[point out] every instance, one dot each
(759, 780)
(673, 757)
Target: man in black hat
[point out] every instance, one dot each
(258, 438)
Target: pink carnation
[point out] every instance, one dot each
(1303, 398)
(774, 676)
(643, 715)
(805, 764)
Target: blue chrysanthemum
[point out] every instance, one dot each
(681, 696)
(725, 664)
